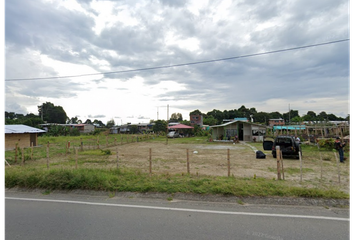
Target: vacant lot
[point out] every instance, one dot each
(206, 159)
(211, 159)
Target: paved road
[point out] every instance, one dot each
(70, 216)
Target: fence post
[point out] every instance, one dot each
(300, 158)
(23, 156)
(82, 145)
(188, 170)
(282, 164)
(48, 155)
(76, 157)
(16, 152)
(228, 162)
(117, 158)
(31, 150)
(278, 162)
(320, 160)
(150, 163)
(337, 160)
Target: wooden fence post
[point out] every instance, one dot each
(282, 164)
(321, 161)
(82, 145)
(337, 160)
(117, 158)
(76, 157)
(150, 162)
(31, 150)
(278, 162)
(188, 170)
(16, 152)
(300, 158)
(48, 155)
(228, 162)
(23, 156)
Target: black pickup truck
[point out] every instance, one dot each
(288, 146)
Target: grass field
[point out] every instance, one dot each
(122, 163)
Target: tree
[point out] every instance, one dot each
(310, 116)
(176, 117)
(74, 120)
(210, 120)
(88, 121)
(98, 122)
(195, 112)
(160, 126)
(110, 123)
(51, 113)
(322, 116)
(217, 114)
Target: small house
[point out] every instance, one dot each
(22, 135)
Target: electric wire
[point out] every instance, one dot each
(178, 65)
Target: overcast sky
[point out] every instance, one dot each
(50, 38)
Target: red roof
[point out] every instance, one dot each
(180, 126)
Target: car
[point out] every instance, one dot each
(173, 134)
(288, 146)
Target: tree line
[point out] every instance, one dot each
(215, 116)
(48, 112)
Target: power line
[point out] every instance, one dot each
(178, 65)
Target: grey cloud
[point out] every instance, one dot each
(96, 116)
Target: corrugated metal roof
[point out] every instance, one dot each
(228, 123)
(21, 129)
(290, 127)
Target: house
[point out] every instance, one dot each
(276, 122)
(83, 128)
(246, 131)
(21, 135)
(196, 119)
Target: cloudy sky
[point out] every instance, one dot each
(46, 40)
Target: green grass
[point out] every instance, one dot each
(38, 176)
(130, 181)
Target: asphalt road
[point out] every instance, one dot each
(70, 216)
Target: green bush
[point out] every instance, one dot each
(327, 144)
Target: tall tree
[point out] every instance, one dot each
(52, 113)
(110, 123)
(176, 117)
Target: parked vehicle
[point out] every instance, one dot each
(173, 134)
(288, 146)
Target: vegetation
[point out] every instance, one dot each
(48, 112)
(66, 177)
(130, 181)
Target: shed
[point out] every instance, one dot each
(21, 134)
(246, 131)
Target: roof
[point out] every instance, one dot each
(180, 126)
(10, 129)
(229, 123)
(290, 127)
